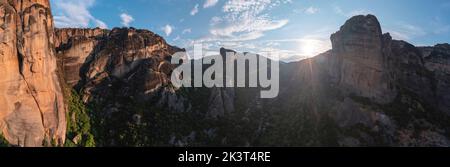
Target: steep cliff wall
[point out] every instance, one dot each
(359, 53)
(32, 109)
(74, 47)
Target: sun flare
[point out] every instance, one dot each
(309, 48)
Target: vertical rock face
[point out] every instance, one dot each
(116, 70)
(63, 36)
(96, 61)
(391, 87)
(359, 52)
(139, 58)
(438, 61)
(32, 109)
(73, 47)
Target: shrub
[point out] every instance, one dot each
(3, 141)
(78, 123)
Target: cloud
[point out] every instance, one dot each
(399, 35)
(338, 10)
(247, 29)
(442, 30)
(177, 38)
(358, 12)
(405, 31)
(439, 26)
(186, 31)
(242, 23)
(215, 20)
(413, 30)
(126, 19)
(210, 3)
(100, 24)
(299, 48)
(75, 13)
(194, 11)
(244, 20)
(167, 29)
(311, 10)
(303, 47)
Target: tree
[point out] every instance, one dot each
(3, 141)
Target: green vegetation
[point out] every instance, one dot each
(409, 107)
(3, 142)
(141, 124)
(78, 123)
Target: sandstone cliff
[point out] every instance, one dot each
(118, 69)
(32, 109)
(95, 59)
(74, 47)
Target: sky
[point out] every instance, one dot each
(294, 29)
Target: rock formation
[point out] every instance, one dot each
(73, 47)
(367, 90)
(32, 109)
(386, 83)
(437, 60)
(359, 53)
(96, 59)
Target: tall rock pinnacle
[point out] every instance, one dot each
(359, 52)
(32, 109)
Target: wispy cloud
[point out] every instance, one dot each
(244, 20)
(210, 3)
(215, 20)
(311, 10)
(405, 31)
(242, 24)
(126, 19)
(194, 11)
(439, 26)
(177, 38)
(338, 10)
(359, 12)
(186, 31)
(167, 29)
(303, 47)
(75, 13)
(442, 30)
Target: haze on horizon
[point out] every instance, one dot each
(295, 29)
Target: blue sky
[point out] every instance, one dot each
(293, 28)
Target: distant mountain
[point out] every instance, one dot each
(368, 90)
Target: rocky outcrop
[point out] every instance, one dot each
(437, 60)
(32, 109)
(119, 70)
(359, 59)
(137, 57)
(74, 47)
(388, 83)
(375, 89)
(63, 36)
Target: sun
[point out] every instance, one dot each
(309, 48)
